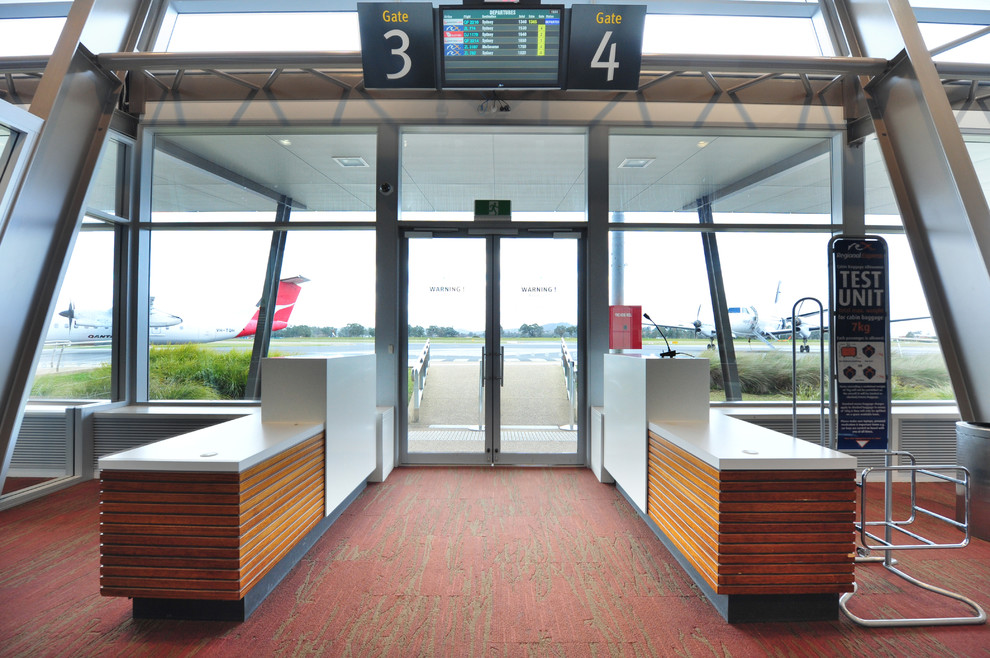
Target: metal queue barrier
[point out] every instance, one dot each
(822, 434)
(870, 531)
(871, 541)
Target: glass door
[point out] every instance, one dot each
(537, 345)
(448, 299)
(492, 337)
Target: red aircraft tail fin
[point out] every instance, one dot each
(285, 301)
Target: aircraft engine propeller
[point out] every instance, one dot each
(70, 314)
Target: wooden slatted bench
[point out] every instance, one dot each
(209, 536)
(766, 530)
(204, 525)
(763, 522)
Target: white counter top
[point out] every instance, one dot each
(728, 443)
(230, 447)
(182, 410)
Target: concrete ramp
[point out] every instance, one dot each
(533, 396)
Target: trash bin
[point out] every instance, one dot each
(973, 452)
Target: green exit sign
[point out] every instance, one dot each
(493, 209)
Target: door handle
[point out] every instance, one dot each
(483, 373)
(501, 366)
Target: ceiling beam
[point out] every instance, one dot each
(226, 175)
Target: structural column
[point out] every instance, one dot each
(945, 213)
(76, 99)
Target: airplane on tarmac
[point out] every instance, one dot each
(745, 323)
(168, 329)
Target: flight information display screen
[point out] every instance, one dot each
(495, 47)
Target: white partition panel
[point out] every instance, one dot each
(384, 444)
(294, 390)
(351, 432)
(641, 389)
(341, 392)
(598, 445)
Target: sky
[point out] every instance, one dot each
(338, 31)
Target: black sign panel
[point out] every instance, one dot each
(860, 325)
(606, 46)
(397, 45)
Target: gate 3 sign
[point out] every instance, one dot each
(860, 325)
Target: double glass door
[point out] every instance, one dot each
(492, 340)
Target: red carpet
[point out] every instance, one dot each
(457, 562)
(16, 484)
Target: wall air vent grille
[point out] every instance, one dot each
(114, 433)
(808, 427)
(42, 448)
(931, 441)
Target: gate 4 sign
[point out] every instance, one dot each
(606, 46)
(860, 325)
(397, 45)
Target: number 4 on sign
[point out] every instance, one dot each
(611, 64)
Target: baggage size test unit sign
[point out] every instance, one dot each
(859, 311)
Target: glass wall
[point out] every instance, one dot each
(541, 173)
(979, 151)
(105, 189)
(771, 196)
(205, 286)
(335, 313)
(745, 180)
(221, 206)
(917, 363)
(29, 36)
(261, 31)
(732, 35)
(7, 138)
(75, 359)
(4, 142)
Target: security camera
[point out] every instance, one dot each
(385, 188)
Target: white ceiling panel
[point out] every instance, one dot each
(538, 170)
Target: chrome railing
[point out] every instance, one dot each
(570, 367)
(419, 372)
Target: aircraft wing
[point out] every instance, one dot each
(805, 327)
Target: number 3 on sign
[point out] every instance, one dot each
(401, 52)
(611, 64)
